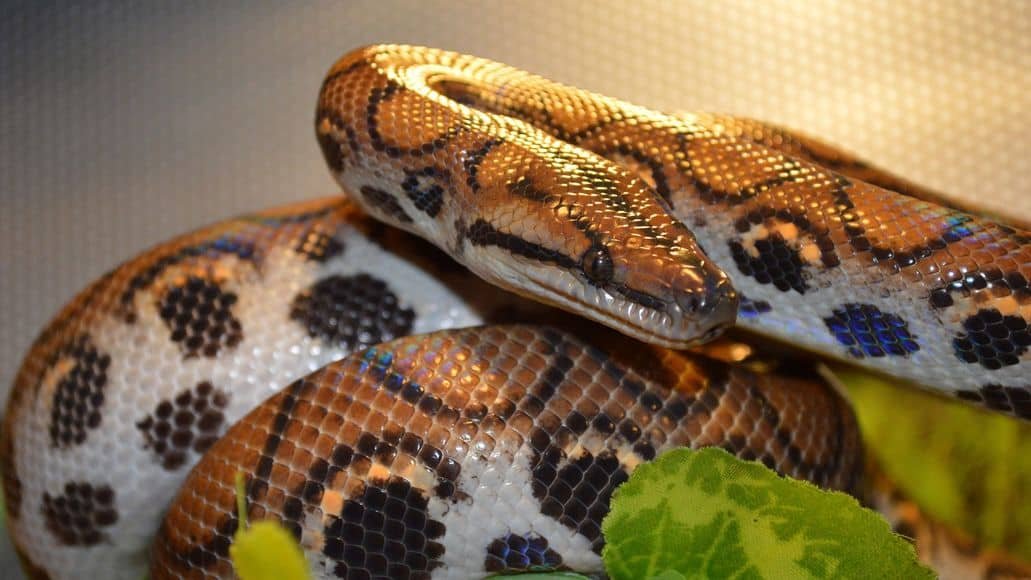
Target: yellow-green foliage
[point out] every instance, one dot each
(707, 514)
(264, 550)
(968, 467)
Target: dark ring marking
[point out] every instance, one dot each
(777, 263)
(710, 195)
(379, 95)
(654, 166)
(332, 150)
(897, 258)
(227, 244)
(471, 164)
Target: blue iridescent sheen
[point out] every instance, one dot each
(748, 308)
(376, 361)
(226, 244)
(869, 332)
(517, 552)
(233, 245)
(957, 230)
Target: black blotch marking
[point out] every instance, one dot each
(79, 395)
(552, 378)
(385, 202)
(992, 339)
(576, 492)
(385, 532)
(777, 263)
(518, 553)
(352, 311)
(318, 245)
(867, 331)
(423, 187)
(1015, 400)
(77, 517)
(200, 315)
(192, 420)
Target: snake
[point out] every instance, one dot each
(447, 372)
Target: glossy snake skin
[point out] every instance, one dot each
(825, 261)
(495, 448)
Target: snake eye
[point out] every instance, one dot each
(597, 264)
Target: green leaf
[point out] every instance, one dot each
(707, 514)
(264, 550)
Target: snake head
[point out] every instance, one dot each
(522, 209)
(595, 241)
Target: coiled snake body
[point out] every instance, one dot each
(493, 448)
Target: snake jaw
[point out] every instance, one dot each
(690, 316)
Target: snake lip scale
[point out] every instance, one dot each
(364, 386)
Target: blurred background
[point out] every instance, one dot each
(121, 126)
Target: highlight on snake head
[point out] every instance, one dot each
(523, 210)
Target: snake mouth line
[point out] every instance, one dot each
(679, 337)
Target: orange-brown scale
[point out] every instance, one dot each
(490, 390)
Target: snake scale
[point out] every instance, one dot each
(474, 449)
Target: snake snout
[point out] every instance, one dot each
(710, 305)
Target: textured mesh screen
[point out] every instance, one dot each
(120, 127)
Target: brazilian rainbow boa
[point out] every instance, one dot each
(291, 344)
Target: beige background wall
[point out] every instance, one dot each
(120, 127)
